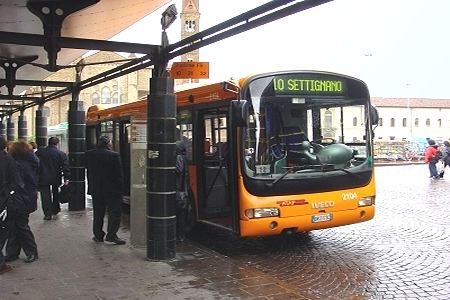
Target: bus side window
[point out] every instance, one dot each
(207, 146)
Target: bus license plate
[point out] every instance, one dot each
(321, 218)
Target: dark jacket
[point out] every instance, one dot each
(181, 175)
(28, 169)
(9, 175)
(104, 172)
(53, 165)
(10, 179)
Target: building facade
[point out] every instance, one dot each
(412, 119)
(124, 89)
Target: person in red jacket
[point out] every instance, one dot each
(432, 157)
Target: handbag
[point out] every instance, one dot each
(13, 201)
(65, 193)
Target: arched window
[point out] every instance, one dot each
(392, 122)
(404, 122)
(355, 121)
(106, 95)
(416, 122)
(95, 98)
(439, 121)
(115, 98)
(427, 122)
(380, 121)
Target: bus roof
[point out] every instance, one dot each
(225, 90)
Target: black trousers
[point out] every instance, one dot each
(4, 232)
(100, 204)
(181, 223)
(20, 237)
(50, 199)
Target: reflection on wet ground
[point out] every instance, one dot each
(306, 264)
(403, 253)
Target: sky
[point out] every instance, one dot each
(400, 48)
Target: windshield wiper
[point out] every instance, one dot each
(292, 169)
(322, 168)
(332, 167)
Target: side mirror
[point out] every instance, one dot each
(374, 115)
(239, 112)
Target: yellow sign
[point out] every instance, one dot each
(190, 69)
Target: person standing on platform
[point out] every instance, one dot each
(20, 235)
(105, 185)
(54, 165)
(182, 186)
(9, 176)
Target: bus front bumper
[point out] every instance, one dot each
(288, 225)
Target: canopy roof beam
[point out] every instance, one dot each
(52, 15)
(39, 40)
(53, 42)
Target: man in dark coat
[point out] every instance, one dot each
(53, 165)
(105, 184)
(9, 176)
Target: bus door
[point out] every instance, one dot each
(215, 205)
(124, 150)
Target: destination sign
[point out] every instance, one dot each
(298, 84)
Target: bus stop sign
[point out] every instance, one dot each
(190, 69)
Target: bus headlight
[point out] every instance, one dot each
(366, 201)
(253, 213)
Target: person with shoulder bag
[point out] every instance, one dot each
(9, 179)
(20, 235)
(53, 165)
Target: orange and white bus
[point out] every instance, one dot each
(275, 153)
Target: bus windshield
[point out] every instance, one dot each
(302, 124)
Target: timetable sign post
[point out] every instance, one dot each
(190, 69)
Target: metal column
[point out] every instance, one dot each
(22, 127)
(161, 189)
(10, 130)
(161, 123)
(41, 127)
(2, 129)
(77, 146)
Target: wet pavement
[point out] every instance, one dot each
(403, 253)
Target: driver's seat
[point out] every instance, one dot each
(305, 153)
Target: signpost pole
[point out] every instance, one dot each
(161, 123)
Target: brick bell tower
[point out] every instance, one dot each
(190, 23)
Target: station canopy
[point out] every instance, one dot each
(20, 28)
(38, 37)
